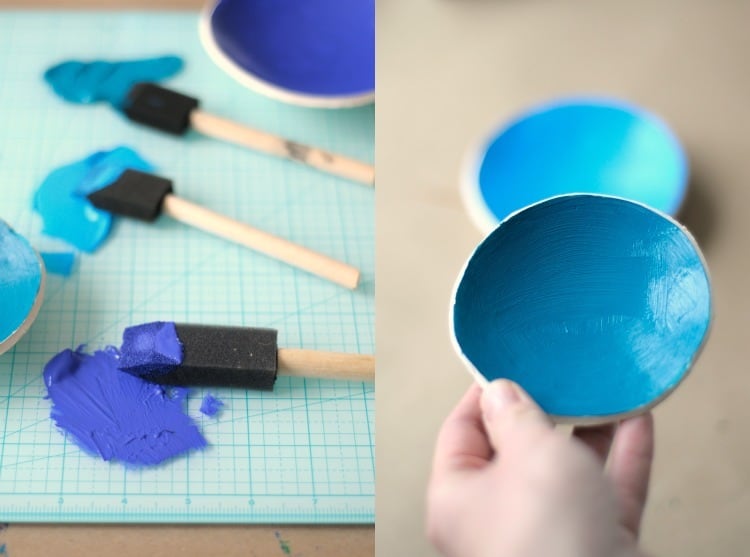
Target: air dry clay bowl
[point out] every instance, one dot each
(316, 53)
(22, 277)
(574, 145)
(596, 305)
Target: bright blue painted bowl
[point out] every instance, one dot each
(596, 305)
(576, 145)
(310, 52)
(22, 280)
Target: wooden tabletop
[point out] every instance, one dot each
(83, 540)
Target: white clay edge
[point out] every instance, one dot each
(266, 88)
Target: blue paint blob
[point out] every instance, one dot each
(116, 415)
(211, 405)
(61, 198)
(593, 304)
(316, 47)
(578, 146)
(59, 263)
(150, 349)
(90, 82)
(20, 280)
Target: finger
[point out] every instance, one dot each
(597, 438)
(510, 414)
(462, 442)
(630, 467)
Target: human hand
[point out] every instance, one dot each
(506, 483)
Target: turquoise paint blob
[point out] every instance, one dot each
(595, 305)
(61, 197)
(90, 82)
(20, 280)
(577, 146)
(59, 263)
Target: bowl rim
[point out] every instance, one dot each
(469, 185)
(266, 88)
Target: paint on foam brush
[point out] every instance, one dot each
(61, 198)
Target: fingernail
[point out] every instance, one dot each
(500, 394)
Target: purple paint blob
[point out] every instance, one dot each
(211, 405)
(116, 415)
(150, 349)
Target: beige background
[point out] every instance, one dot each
(450, 69)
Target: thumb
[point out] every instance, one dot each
(508, 413)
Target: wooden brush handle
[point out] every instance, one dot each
(265, 142)
(326, 365)
(268, 244)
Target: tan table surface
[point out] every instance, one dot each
(450, 69)
(157, 540)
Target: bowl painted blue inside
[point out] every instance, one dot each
(312, 47)
(595, 305)
(579, 146)
(20, 281)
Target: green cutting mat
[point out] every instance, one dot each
(303, 453)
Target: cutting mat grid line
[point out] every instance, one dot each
(302, 453)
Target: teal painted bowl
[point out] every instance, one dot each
(22, 278)
(575, 145)
(596, 305)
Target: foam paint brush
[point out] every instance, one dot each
(242, 357)
(130, 87)
(176, 113)
(145, 196)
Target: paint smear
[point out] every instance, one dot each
(90, 82)
(211, 405)
(115, 415)
(595, 305)
(59, 263)
(150, 349)
(61, 198)
(283, 544)
(20, 280)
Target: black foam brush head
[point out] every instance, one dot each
(134, 194)
(160, 108)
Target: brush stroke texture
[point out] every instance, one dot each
(115, 415)
(595, 305)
